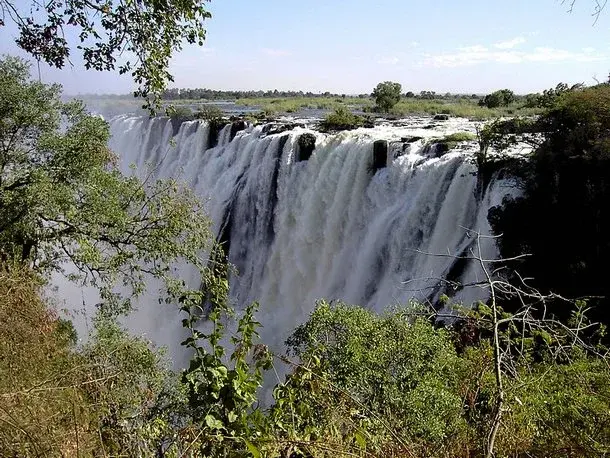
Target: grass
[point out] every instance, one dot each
(459, 137)
(456, 107)
(293, 105)
(465, 108)
(452, 140)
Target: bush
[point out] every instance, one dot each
(209, 113)
(400, 369)
(180, 113)
(341, 119)
(450, 141)
(402, 380)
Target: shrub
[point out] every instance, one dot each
(341, 119)
(181, 113)
(450, 141)
(401, 369)
(209, 113)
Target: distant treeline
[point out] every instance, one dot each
(211, 94)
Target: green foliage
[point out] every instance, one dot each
(399, 369)
(451, 141)
(549, 97)
(209, 113)
(180, 113)
(563, 214)
(341, 119)
(151, 31)
(222, 394)
(397, 380)
(365, 384)
(387, 95)
(64, 199)
(501, 98)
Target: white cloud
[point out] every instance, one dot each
(562, 55)
(473, 49)
(414, 44)
(474, 55)
(510, 44)
(391, 60)
(276, 52)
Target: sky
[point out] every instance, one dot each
(463, 46)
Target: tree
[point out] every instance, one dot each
(563, 211)
(387, 94)
(149, 31)
(501, 98)
(63, 198)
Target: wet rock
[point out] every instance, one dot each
(236, 126)
(216, 126)
(411, 139)
(380, 154)
(441, 117)
(279, 127)
(306, 144)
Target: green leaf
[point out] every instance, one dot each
(360, 440)
(212, 422)
(252, 449)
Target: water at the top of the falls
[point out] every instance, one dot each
(329, 227)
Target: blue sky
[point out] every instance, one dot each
(349, 46)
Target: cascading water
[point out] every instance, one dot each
(329, 227)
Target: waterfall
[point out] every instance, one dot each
(329, 227)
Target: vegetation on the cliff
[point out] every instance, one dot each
(341, 119)
(563, 217)
(63, 198)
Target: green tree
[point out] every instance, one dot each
(387, 95)
(563, 213)
(501, 98)
(149, 31)
(63, 198)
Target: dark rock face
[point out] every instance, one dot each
(439, 149)
(177, 122)
(306, 144)
(215, 128)
(441, 117)
(411, 139)
(380, 154)
(279, 127)
(236, 126)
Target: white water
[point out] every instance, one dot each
(328, 227)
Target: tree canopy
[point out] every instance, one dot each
(136, 37)
(387, 94)
(63, 197)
